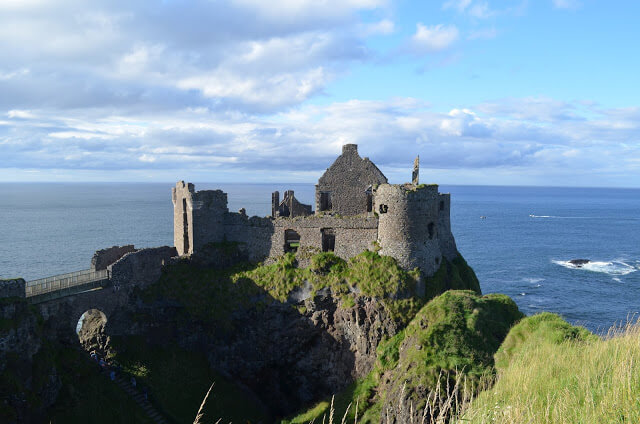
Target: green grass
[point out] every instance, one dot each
(89, 397)
(456, 333)
(552, 372)
(211, 295)
(178, 381)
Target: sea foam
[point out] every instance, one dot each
(611, 267)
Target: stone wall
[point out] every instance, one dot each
(142, 267)
(261, 238)
(105, 257)
(197, 217)
(352, 235)
(290, 206)
(408, 226)
(12, 288)
(346, 182)
(445, 236)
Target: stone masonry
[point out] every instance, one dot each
(105, 257)
(356, 209)
(12, 288)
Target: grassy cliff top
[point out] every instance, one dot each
(212, 294)
(552, 372)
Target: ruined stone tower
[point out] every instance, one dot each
(410, 227)
(197, 217)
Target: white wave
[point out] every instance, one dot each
(564, 217)
(611, 268)
(616, 279)
(533, 280)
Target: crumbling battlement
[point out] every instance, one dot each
(356, 209)
(105, 257)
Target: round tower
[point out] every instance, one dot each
(408, 225)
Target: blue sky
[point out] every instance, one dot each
(519, 92)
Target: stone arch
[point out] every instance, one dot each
(91, 330)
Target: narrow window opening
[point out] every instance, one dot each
(325, 201)
(328, 240)
(431, 229)
(185, 227)
(442, 205)
(437, 261)
(383, 208)
(369, 202)
(291, 241)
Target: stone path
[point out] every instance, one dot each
(138, 397)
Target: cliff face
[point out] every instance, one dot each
(284, 336)
(29, 381)
(289, 335)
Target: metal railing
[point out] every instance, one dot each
(64, 281)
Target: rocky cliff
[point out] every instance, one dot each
(276, 338)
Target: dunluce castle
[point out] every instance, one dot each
(356, 209)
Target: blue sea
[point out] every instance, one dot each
(521, 247)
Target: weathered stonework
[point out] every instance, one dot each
(346, 182)
(289, 207)
(105, 257)
(409, 222)
(12, 288)
(141, 267)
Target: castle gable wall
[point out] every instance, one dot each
(346, 182)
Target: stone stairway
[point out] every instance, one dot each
(138, 397)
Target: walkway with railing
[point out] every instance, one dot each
(65, 284)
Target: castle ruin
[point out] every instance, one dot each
(356, 209)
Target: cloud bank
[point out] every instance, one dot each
(219, 91)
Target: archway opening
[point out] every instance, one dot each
(90, 330)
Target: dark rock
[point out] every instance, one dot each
(579, 262)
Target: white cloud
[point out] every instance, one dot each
(476, 9)
(20, 114)
(567, 4)
(382, 27)
(279, 90)
(527, 135)
(147, 55)
(12, 74)
(459, 5)
(434, 38)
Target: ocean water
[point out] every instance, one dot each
(521, 247)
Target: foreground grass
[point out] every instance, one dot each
(552, 372)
